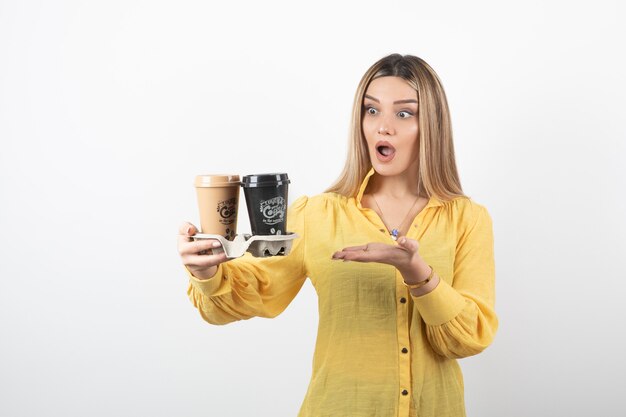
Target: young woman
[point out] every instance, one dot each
(401, 260)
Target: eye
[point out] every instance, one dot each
(370, 110)
(405, 114)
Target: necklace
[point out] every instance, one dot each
(395, 232)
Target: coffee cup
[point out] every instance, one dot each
(266, 199)
(218, 201)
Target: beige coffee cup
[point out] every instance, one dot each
(218, 201)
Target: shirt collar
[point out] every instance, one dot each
(432, 202)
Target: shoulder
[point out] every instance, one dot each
(323, 201)
(465, 211)
(314, 210)
(463, 204)
(320, 207)
(469, 217)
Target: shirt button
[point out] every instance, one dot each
(405, 350)
(405, 392)
(403, 300)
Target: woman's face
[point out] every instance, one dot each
(390, 126)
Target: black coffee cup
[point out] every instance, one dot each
(266, 199)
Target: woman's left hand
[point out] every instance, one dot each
(401, 255)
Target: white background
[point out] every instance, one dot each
(109, 109)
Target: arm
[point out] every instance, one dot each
(246, 287)
(460, 318)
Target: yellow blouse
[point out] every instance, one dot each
(379, 351)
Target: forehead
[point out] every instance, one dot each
(390, 88)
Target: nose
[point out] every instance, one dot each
(385, 127)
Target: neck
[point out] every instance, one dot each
(396, 186)
(395, 193)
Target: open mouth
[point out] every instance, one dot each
(384, 151)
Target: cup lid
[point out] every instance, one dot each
(265, 180)
(217, 181)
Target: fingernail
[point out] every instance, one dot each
(216, 244)
(403, 241)
(188, 229)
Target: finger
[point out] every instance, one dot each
(195, 247)
(408, 244)
(187, 229)
(355, 248)
(338, 255)
(358, 256)
(205, 261)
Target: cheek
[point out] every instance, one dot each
(413, 132)
(367, 127)
(412, 141)
(366, 124)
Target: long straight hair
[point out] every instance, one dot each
(437, 165)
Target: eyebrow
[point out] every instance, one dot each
(395, 102)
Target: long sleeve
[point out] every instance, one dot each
(460, 317)
(247, 287)
(377, 351)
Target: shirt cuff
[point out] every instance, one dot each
(208, 287)
(441, 305)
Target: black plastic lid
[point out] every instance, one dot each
(264, 180)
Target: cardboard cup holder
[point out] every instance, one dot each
(260, 246)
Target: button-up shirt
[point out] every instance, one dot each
(380, 351)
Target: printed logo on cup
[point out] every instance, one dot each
(273, 210)
(227, 210)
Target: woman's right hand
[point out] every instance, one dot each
(197, 255)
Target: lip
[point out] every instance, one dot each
(380, 156)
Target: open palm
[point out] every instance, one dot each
(399, 255)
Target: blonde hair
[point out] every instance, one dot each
(437, 166)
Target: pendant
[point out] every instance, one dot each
(394, 234)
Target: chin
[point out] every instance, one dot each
(388, 169)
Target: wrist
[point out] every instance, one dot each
(430, 286)
(205, 273)
(416, 271)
